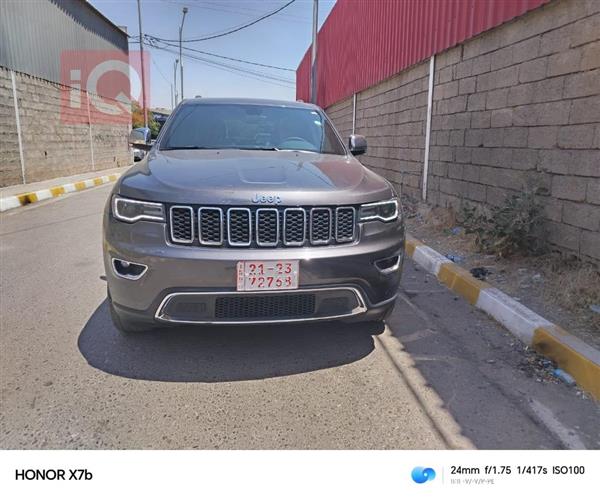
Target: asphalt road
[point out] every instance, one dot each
(440, 375)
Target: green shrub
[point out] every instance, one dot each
(513, 227)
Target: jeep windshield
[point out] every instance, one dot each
(250, 127)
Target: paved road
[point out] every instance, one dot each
(440, 375)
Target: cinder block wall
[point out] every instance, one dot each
(517, 105)
(392, 117)
(10, 163)
(51, 148)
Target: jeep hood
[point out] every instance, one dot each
(235, 177)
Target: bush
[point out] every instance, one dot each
(513, 227)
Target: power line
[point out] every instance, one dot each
(252, 71)
(234, 69)
(161, 73)
(233, 30)
(151, 39)
(232, 9)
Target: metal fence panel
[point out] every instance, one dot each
(33, 34)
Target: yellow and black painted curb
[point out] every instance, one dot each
(574, 356)
(10, 202)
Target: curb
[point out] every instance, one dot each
(571, 354)
(10, 202)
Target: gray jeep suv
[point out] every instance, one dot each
(251, 211)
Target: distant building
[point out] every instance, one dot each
(160, 115)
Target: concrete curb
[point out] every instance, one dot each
(571, 354)
(10, 202)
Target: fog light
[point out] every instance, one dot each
(128, 270)
(388, 265)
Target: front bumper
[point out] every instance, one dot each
(203, 274)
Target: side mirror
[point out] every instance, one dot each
(357, 144)
(137, 138)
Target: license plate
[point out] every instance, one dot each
(261, 275)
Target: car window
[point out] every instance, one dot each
(245, 126)
(331, 143)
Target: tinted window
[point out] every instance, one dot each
(239, 126)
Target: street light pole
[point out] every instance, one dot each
(185, 9)
(142, 65)
(175, 81)
(313, 68)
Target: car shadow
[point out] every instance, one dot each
(222, 353)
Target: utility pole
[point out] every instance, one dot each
(313, 68)
(142, 65)
(175, 82)
(185, 9)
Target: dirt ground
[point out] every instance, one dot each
(563, 291)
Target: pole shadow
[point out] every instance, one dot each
(222, 353)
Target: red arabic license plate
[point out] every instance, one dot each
(271, 275)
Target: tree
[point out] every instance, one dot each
(137, 119)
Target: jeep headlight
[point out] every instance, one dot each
(131, 210)
(386, 211)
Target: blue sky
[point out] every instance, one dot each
(280, 40)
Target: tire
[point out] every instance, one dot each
(123, 325)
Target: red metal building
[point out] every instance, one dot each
(363, 42)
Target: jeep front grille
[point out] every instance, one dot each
(182, 224)
(262, 227)
(210, 226)
(294, 227)
(239, 226)
(320, 225)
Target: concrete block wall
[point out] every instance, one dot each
(10, 162)
(392, 117)
(341, 115)
(517, 105)
(51, 148)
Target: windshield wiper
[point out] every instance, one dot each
(255, 148)
(185, 148)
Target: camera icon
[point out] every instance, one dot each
(421, 475)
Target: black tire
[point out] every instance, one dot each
(123, 325)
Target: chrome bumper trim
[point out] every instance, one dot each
(125, 276)
(360, 309)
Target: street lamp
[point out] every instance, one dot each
(313, 63)
(175, 80)
(185, 9)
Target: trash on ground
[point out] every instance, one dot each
(536, 366)
(454, 258)
(480, 273)
(595, 308)
(456, 230)
(564, 376)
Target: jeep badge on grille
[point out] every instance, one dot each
(262, 199)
